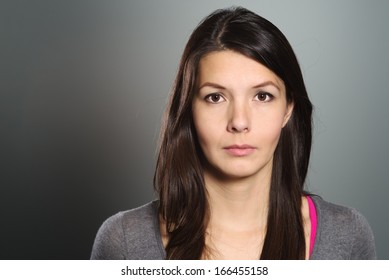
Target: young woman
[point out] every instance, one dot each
(233, 158)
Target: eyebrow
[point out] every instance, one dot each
(214, 85)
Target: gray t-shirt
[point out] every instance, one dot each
(342, 234)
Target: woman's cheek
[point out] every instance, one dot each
(272, 131)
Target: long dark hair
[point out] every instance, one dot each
(178, 176)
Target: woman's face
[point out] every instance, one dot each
(239, 110)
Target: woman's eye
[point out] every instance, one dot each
(264, 96)
(214, 98)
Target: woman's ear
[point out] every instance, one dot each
(288, 113)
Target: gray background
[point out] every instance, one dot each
(83, 85)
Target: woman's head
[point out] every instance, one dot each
(179, 173)
(248, 34)
(239, 109)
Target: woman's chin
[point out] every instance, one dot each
(232, 173)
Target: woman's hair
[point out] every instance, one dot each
(178, 177)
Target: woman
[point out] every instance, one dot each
(233, 158)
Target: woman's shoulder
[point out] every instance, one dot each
(338, 216)
(342, 232)
(134, 221)
(334, 213)
(139, 217)
(131, 234)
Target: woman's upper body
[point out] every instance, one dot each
(235, 145)
(233, 158)
(342, 234)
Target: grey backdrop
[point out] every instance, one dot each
(83, 85)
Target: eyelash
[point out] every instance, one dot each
(209, 96)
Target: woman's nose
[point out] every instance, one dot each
(239, 118)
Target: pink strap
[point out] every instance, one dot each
(313, 217)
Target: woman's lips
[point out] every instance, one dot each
(239, 150)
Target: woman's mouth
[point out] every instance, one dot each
(239, 150)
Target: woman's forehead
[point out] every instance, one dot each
(229, 67)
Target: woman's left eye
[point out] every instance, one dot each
(264, 96)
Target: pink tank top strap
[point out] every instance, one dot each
(313, 217)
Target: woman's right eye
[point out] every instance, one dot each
(214, 98)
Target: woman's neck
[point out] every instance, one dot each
(238, 203)
(238, 216)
